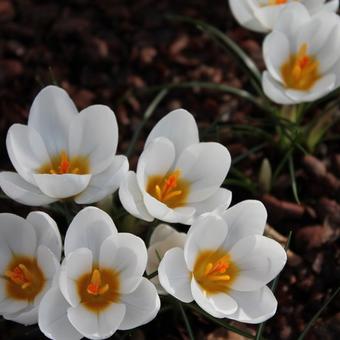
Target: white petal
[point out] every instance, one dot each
(275, 90)
(244, 219)
(332, 5)
(156, 159)
(322, 87)
(182, 215)
(53, 322)
(223, 303)
(108, 251)
(27, 317)
(220, 200)
(268, 15)
(203, 301)
(330, 52)
(130, 260)
(46, 231)
(205, 166)
(94, 133)
(21, 191)
(174, 275)
(207, 232)
(90, 227)
(131, 197)
(157, 208)
(26, 150)
(95, 326)
(157, 250)
(161, 232)
(244, 14)
(142, 305)
(276, 52)
(105, 183)
(76, 264)
(62, 186)
(47, 262)
(336, 71)
(179, 127)
(259, 260)
(10, 306)
(291, 18)
(110, 320)
(3, 293)
(51, 115)
(17, 236)
(255, 306)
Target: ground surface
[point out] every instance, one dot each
(102, 52)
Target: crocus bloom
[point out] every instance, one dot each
(226, 264)
(101, 287)
(62, 153)
(162, 239)
(302, 56)
(30, 251)
(177, 177)
(261, 15)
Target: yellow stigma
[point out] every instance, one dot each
(25, 279)
(301, 70)
(214, 271)
(170, 189)
(63, 164)
(99, 289)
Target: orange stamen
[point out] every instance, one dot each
(20, 275)
(95, 286)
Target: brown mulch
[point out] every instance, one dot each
(110, 52)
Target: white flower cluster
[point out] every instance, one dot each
(302, 50)
(223, 262)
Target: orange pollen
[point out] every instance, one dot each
(275, 2)
(20, 275)
(64, 163)
(95, 287)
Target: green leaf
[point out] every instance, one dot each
(186, 321)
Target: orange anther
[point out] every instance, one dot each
(20, 275)
(95, 286)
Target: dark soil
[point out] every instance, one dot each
(111, 52)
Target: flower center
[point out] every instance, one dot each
(170, 189)
(25, 279)
(99, 289)
(301, 70)
(215, 271)
(63, 164)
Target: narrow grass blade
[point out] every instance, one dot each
(315, 317)
(148, 113)
(293, 178)
(231, 46)
(186, 321)
(217, 87)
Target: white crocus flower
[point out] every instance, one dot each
(162, 239)
(62, 153)
(101, 285)
(30, 251)
(177, 177)
(261, 15)
(302, 56)
(226, 264)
